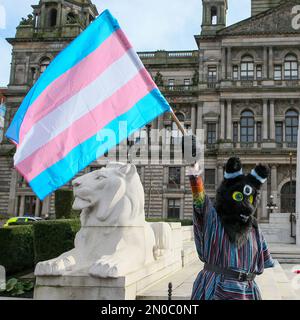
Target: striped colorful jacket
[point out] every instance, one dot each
(213, 247)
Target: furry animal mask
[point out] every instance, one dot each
(237, 199)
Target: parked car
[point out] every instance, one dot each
(15, 221)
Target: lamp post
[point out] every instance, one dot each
(271, 205)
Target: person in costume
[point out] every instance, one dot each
(227, 236)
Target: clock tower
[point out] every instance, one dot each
(214, 16)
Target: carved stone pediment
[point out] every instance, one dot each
(274, 21)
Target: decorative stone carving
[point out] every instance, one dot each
(27, 21)
(277, 20)
(159, 79)
(195, 79)
(114, 239)
(282, 106)
(238, 107)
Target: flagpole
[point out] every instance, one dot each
(179, 125)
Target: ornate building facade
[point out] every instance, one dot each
(241, 86)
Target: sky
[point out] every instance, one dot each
(149, 25)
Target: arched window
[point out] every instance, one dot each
(52, 18)
(44, 64)
(247, 126)
(288, 197)
(291, 126)
(290, 67)
(214, 15)
(247, 68)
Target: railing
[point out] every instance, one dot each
(212, 85)
(168, 54)
(247, 144)
(179, 88)
(180, 54)
(146, 55)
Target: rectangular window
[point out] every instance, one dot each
(258, 132)
(279, 132)
(247, 71)
(174, 208)
(212, 74)
(187, 83)
(235, 73)
(171, 83)
(291, 70)
(210, 178)
(174, 177)
(235, 132)
(278, 72)
(258, 72)
(211, 133)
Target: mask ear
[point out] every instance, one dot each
(233, 168)
(259, 175)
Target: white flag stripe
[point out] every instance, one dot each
(80, 104)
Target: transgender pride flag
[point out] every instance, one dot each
(94, 84)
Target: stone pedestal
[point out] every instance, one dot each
(2, 278)
(85, 287)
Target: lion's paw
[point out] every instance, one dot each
(108, 267)
(54, 267)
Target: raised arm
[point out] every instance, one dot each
(198, 191)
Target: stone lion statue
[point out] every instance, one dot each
(114, 238)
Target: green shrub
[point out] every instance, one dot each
(16, 287)
(52, 238)
(63, 204)
(16, 248)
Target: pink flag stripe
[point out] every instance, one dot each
(75, 79)
(87, 126)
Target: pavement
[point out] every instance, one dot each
(279, 283)
(274, 285)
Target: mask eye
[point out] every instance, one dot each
(251, 198)
(238, 196)
(247, 190)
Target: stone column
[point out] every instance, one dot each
(264, 201)
(22, 206)
(265, 65)
(12, 208)
(222, 121)
(271, 64)
(272, 120)
(224, 64)
(193, 119)
(46, 207)
(229, 120)
(43, 16)
(265, 120)
(229, 64)
(12, 70)
(274, 183)
(37, 207)
(27, 77)
(200, 116)
(220, 174)
(59, 15)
